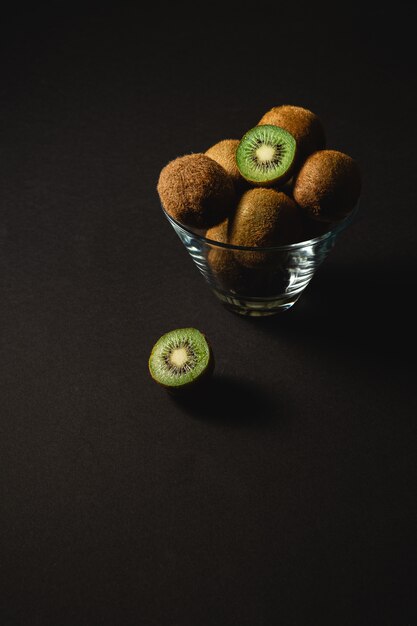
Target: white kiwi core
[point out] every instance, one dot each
(265, 153)
(179, 357)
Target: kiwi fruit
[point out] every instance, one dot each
(262, 280)
(181, 358)
(225, 268)
(196, 190)
(224, 153)
(328, 185)
(264, 217)
(304, 125)
(219, 232)
(229, 274)
(265, 155)
(221, 260)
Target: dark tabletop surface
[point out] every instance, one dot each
(285, 495)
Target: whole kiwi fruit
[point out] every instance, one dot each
(304, 125)
(225, 268)
(196, 190)
(218, 232)
(328, 185)
(224, 153)
(229, 274)
(221, 260)
(264, 217)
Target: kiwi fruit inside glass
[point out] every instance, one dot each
(264, 218)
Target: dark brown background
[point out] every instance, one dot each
(288, 495)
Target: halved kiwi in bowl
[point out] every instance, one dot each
(266, 154)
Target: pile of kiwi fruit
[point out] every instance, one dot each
(277, 185)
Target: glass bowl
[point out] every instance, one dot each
(258, 281)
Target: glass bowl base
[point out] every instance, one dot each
(256, 307)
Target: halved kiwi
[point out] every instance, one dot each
(265, 155)
(181, 358)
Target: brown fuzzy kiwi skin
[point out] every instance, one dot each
(304, 125)
(233, 277)
(221, 261)
(196, 190)
(264, 217)
(219, 232)
(264, 281)
(328, 185)
(230, 275)
(224, 268)
(224, 153)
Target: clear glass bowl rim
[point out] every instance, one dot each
(335, 230)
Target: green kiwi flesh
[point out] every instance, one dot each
(196, 190)
(181, 358)
(265, 155)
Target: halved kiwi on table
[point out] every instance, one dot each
(265, 155)
(181, 358)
